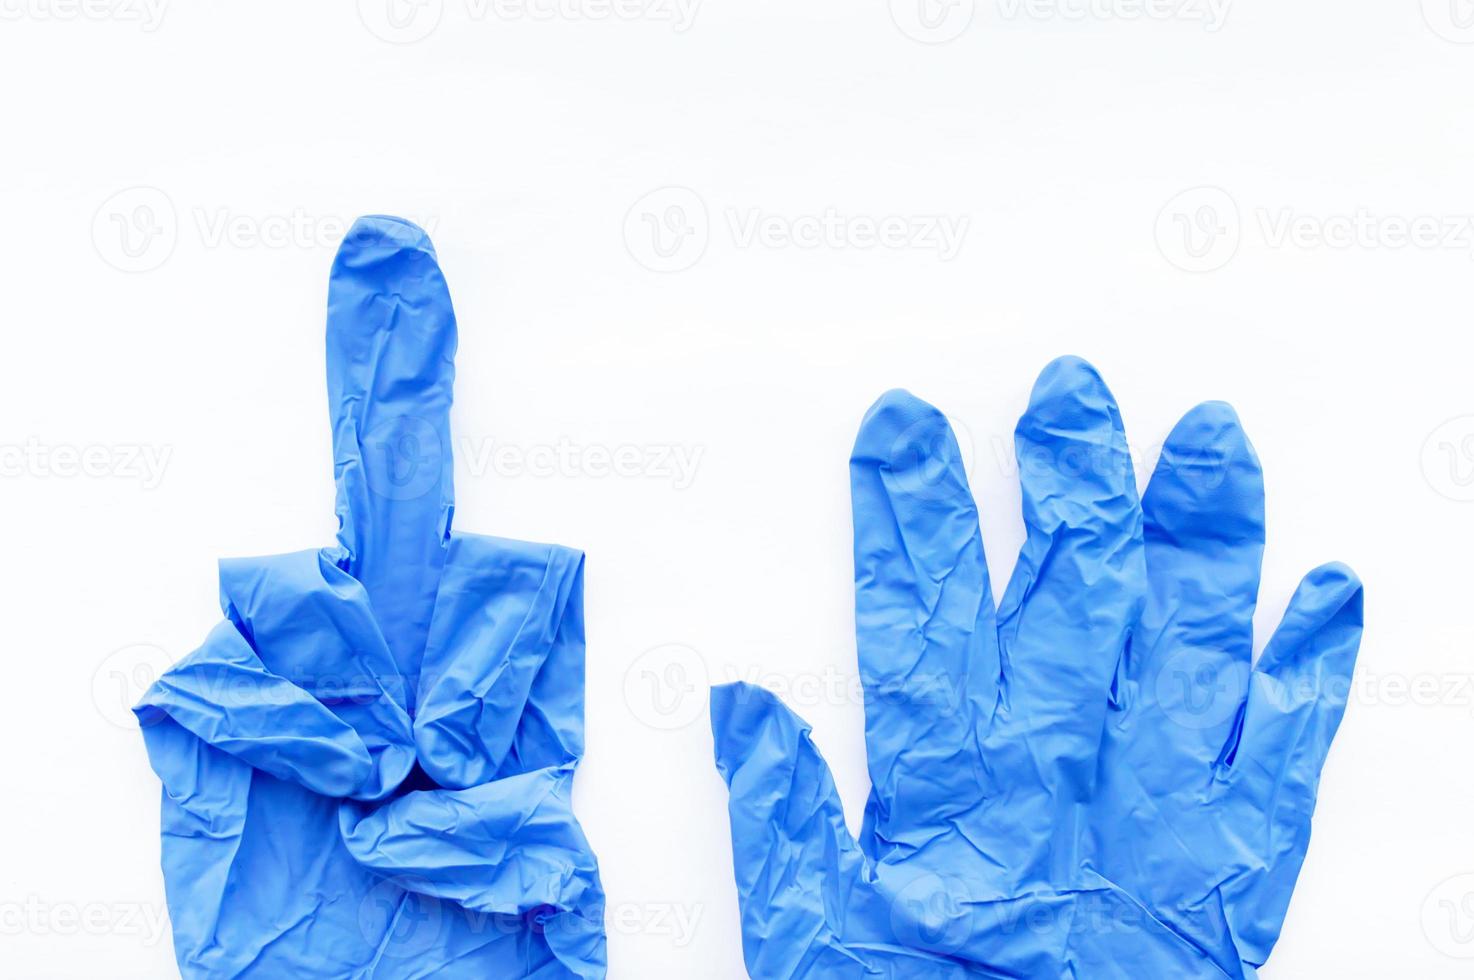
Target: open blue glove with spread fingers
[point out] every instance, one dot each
(367, 767)
(1088, 780)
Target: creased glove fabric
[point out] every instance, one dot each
(1087, 780)
(367, 765)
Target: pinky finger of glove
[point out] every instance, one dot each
(1297, 697)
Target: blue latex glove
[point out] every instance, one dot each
(1089, 782)
(367, 766)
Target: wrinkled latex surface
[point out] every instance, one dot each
(367, 765)
(1087, 780)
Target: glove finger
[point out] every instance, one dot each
(924, 618)
(793, 856)
(485, 717)
(224, 696)
(1297, 697)
(310, 623)
(1078, 586)
(510, 847)
(1189, 660)
(391, 341)
(506, 847)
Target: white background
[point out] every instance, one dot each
(1205, 208)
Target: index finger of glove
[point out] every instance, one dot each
(924, 617)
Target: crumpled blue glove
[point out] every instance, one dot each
(1089, 782)
(367, 766)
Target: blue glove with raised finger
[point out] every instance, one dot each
(1087, 780)
(367, 767)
